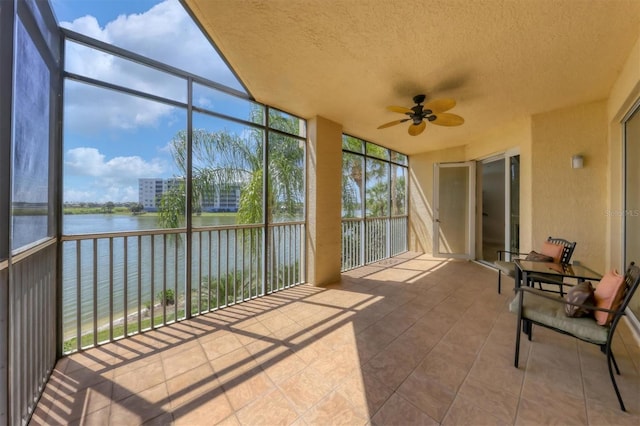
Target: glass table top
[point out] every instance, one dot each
(568, 270)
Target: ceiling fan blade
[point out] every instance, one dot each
(392, 123)
(440, 105)
(446, 119)
(416, 129)
(401, 110)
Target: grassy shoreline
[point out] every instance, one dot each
(126, 211)
(97, 210)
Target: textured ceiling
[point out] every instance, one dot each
(346, 60)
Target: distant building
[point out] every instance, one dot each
(150, 191)
(225, 199)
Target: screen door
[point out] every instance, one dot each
(454, 210)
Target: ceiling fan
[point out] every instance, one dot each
(433, 111)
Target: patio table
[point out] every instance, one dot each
(559, 271)
(524, 268)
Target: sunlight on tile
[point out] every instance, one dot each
(414, 340)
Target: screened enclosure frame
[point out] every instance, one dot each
(29, 146)
(267, 130)
(360, 233)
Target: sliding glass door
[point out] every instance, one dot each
(631, 216)
(498, 215)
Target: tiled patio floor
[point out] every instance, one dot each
(410, 341)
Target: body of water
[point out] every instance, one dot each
(138, 268)
(142, 265)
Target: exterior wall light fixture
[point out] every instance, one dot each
(577, 161)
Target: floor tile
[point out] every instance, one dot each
(272, 409)
(399, 412)
(305, 389)
(408, 341)
(334, 409)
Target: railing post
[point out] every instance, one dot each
(363, 242)
(387, 223)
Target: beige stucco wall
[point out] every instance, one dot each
(566, 202)
(514, 135)
(324, 166)
(554, 198)
(421, 196)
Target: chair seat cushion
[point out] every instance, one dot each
(551, 313)
(508, 268)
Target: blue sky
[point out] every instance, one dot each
(111, 139)
(104, 10)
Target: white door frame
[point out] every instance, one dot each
(470, 245)
(507, 197)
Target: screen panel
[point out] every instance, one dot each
(30, 150)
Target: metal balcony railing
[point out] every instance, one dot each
(119, 284)
(31, 301)
(366, 241)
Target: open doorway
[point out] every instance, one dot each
(498, 193)
(493, 208)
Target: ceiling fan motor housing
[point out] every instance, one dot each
(419, 99)
(419, 113)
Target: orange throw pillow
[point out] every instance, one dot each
(553, 250)
(608, 293)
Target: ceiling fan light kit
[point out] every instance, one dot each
(433, 111)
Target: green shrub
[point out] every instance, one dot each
(167, 298)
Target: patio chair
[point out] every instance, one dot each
(536, 307)
(509, 268)
(549, 279)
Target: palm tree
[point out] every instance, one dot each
(383, 186)
(352, 175)
(223, 159)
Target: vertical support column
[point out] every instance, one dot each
(324, 201)
(6, 99)
(7, 13)
(189, 205)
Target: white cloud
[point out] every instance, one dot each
(165, 33)
(90, 110)
(90, 162)
(95, 116)
(99, 194)
(119, 194)
(90, 176)
(75, 195)
(87, 25)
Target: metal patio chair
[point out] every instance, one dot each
(508, 268)
(536, 307)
